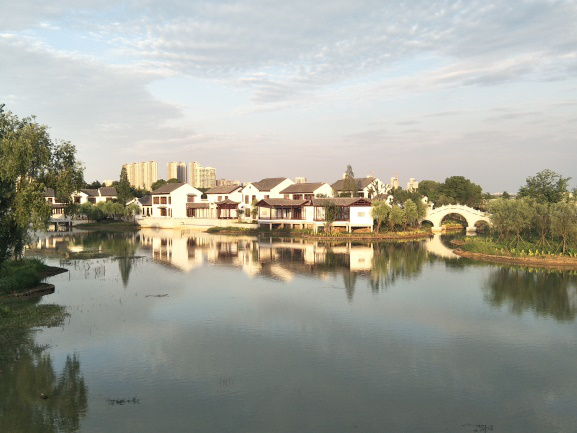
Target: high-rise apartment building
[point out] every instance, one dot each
(412, 185)
(201, 177)
(176, 170)
(394, 182)
(300, 180)
(142, 174)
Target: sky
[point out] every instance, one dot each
(266, 88)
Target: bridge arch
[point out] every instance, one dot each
(472, 216)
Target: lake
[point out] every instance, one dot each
(175, 331)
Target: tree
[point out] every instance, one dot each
(380, 212)
(158, 184)
(349, 184)
(30, 161)
(564, 222)
(545, 187)
(541, 221)
(411, 213)
(396, 217)
(123, 187)
(254, 209)
(173, 180)
(460, 190)
(506, 195)
(331, 214)
(430, 189)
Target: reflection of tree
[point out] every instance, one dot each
(395, 260)
(27, 371)
(552, 294)
(350, 280)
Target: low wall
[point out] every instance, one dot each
(190, 223)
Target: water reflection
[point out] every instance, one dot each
(550, 294)
(27, 371)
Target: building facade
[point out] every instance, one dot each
(176, 170)
(201, 177)
(142, 174)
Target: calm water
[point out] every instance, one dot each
(182, 332)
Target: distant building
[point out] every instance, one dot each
(394, 182)
(176, 170)
(107, 182)
(226, 182)
(412, 185)
(300, 180)
(142, 174)
(201, 177)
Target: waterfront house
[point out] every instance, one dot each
(307, 191)
(367, 187)
(144, 203)
(224, 192)
(269, 187)
(95, 196)
(173, 200)
(353, 213)
(57, 208)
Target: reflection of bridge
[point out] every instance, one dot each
(472, 216)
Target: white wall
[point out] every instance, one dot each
(361, 215)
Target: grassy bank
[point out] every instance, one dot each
(111, 226)
(411, 234)
(17, 276)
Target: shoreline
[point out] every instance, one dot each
(39, 289)
(545, 262)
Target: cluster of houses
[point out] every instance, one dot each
(274, 202)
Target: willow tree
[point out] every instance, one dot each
(30, 162)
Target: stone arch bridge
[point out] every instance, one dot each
(472, 216)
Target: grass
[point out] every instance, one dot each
(20, 275)
(490, 246)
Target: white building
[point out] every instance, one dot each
(412, 185)
(368, 187)
(176, 170)
(171, 199)
(201, 177)
(307, 191)
(353, 213)
(95, 196)
(269, 187)
(142, 174)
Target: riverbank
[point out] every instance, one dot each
(110, 226)
(488, 251)
(308, 234)
(22, 278)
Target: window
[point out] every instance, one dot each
(156, 200)
(297, 196)
(190, 199)
(169, 200)
(219, 198)
(246, 199)
(267, 196)
(286, 196)
(254, 197)
(309, 196)
(162, 200)
(361, 214)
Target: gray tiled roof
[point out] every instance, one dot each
(302, 188)
(146, 200)
(341, 201)
(223, 189)
(49, 192)
(282, 202)
(108, 191)
(268, 183)
(167, 188)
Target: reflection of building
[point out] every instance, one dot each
(176, 170)
(142, 174)
(201, 177)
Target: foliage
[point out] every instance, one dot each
(19, 275)
(380, 212)
(455, 190)
(30, 161)
(564, 222)
(254, 209)
(123, 188)
(377, 190)
(173, 180)
(396, 217)
(411, 213)
(331, 214)
(349, 184)
(158, 184)
(545, 187)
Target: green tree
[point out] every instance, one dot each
(349, 184)
(564, 222)
(545, 187)
(541, 222)
(30, 161)
(460, 190)
(254, 209)
(173, 180)
(123, 187)
(158, 184)
(331, 214)
(430, 189)
(396, 217)
(380, 212)
(411, 213)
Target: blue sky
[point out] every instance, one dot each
(259, 88)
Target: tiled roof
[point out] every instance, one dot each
(268, 183)
(342, 201)
(90, 192)
(360, 182)
(285, 202)
(223, 189)
(302, 188)
(49, 192)
(227, 201)
(108, 191)
(146, 200)
(167, 188)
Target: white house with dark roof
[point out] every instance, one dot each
(353, 213)
(368, 187)
(144, 203)
(224, 192)
(95, 196)
(57, 208)
(172, 199)
(307, 191)
(269, 187)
